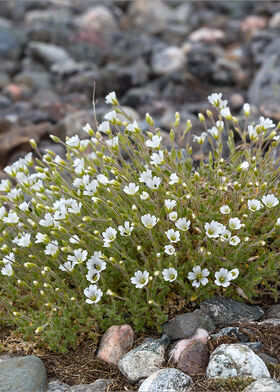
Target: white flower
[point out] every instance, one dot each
(225, 209)
(41, 238)
(157, 158)
(93, 294)
(170, 204)
(74, 239)
(93, 275)
(155, 142)
(225, 112)
(73, 141)
(91, 188)
(102, 179)
(75, 207)
(244, 165)
(140, 279)
(126, 229)
(153, 183)
(131, 189)
(109, 234)
(220, 125)
(133, 127)
(52, 249)
(172, 235)
(246, 109)
(234, 223)
(12, 218)
(80, 255)
(24, 206)
(270, 200)
(68, 266)
(200, 139)
(214, 132)
(233, 274)
(198, 276)
(277, 224)
(2, 212)
(183, 224)
(173, 215)
(5, 185)
(111, 116)
(14, 194)
(9, 259)
(174, 179)
(149, 220)
(96, 261)
(146, 176)
(169, 274)
(213, 229)
(265, 124)
(7, 270)
(113, 143)
(223, 277)
(169, 250)
(23, 240)
(234, 240)
(226, 235)
(87, 128)
(215, 99)
(48, 221)
(111, 98)
(144, 196)
(104, 127)
(254, 205)
(253, 135)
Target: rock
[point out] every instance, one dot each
(226, 71)
(254, 346)
(267, 358)
(233, 332)
(263, 385)
(206, 34)
(235, 360)
(185, 325)
(225, 311)
(4, 357)
(23, 374)
(116, 342)
(253, 23)
(274, 22)
(143, 360)
(33, 79)
(201, 58)
(4, 102)
(72, 124)
(99, 19)
(273, 312)
(194, 358)
(4, 79)
(171, 380)
(151, 16)
(56, 386)
(18, 138)
(174, 354)
(17, 92)
(168, 60)
(100, 385)
(11, 43)
(236, 101)
(47, 16)
(48, 54)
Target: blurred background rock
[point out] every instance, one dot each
(159, 57)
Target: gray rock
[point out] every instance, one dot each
(100, 385)
(144, 360)
(225, 311)
(4, 102)
(98, 19)
(10, 43)
(233, 332)
(263, 385)
(4, 79)
(56, 386)
(267, 358)
(254, 346)
(168, 60)
(185, 325)
(47, 16)
(235, 360)
(73, 123)
(49, 54)
(171, 380)
(23, 374)
(33, 79)
(273, 312)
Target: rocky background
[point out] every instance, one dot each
(159, 57)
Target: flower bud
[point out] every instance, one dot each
(201, 117)
(33, 143)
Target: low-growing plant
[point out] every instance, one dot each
(109, 233)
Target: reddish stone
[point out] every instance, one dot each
(207, 34)
(200, 334)
(16, 91)
(253, 23)
(116, 342)
(194, 358)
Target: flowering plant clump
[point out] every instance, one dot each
(96, 239)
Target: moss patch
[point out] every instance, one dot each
(235, 384)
